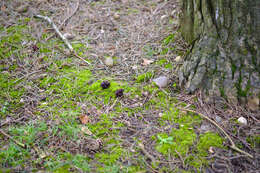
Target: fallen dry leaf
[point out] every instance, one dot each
(84, 119)
(3, 8)
(146, 62)
(85, 130)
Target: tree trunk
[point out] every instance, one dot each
(224, 59)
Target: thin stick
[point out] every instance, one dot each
(65, 20)
(17, 142)
(27, 75)
(111, 107)
(141, 146)
(64, 39)
(74, 54)
(183, 163)
(233, 146)
(12, 121)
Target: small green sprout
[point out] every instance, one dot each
(167, 140)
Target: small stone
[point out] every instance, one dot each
(145, 93)
(161, 81)
(69, 36)
(218, 119)
(109, 61)
(177, 59)
(242, 120)
(205, 128)
(22, 100)
(116, 16)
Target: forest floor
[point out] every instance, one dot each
(56, 117)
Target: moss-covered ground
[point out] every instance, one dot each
(56, 117)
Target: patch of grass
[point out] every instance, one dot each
(182, 118)
(170, 38)
(180, 140)
(207, 140)
(13, 156)
(10, 94)
(144, 77)
(183, 141)
(10, 90)
(67, 88)
(149, 51)
(27, 134)
(254, 140)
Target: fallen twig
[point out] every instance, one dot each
(141, 146)
(27, 75)
(111, 107)
(64, 39)
(72, 53)
(183, 163)
(56, 30)
(11, 121)
(17, 142)
(233, 146)
(65, 20)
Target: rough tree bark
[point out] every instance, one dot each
(224, 59)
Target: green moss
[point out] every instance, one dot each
(27, 134)
(168, 66)
(10, 94)
(183, 141)
(208, 140)
(183, 138)
(162, 61)
(254, 140)
(174, 115)
(144, 77)
(110, 158)
(13, 156)
(169, 39)
(179, 141)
